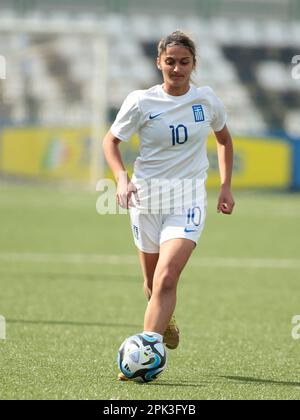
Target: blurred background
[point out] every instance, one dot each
(69, 66)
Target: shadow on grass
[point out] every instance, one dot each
(178, 384)
(249, 380)
(72, 323)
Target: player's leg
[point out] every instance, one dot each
(148, 264)
(146, 233)
(187, 225)
(173, 257)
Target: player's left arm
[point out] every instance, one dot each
(225, 156)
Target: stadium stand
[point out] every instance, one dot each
(248, 64)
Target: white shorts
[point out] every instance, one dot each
(151, 230)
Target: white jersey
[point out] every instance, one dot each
(173, 132)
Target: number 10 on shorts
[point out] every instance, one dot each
(2, 328)
(194, 216)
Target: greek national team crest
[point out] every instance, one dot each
(198, 113)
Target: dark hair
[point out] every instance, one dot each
(177, 38)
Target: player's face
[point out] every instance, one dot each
(176, 64)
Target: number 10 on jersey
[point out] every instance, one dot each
(179, 134)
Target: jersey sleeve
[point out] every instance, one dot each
(128, 119)
(219, 113)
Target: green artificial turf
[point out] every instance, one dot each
(71, 292)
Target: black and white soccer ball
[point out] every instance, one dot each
(142, 358)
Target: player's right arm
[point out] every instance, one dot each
(112, 153)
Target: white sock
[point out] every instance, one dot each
(154, 334)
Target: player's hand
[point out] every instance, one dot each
(226, 202)
(125, 189)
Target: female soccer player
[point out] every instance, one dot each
(173, 121)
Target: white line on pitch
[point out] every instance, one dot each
(133, 260)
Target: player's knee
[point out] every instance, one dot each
(167, 281)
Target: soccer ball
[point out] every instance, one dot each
(142, 358)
